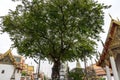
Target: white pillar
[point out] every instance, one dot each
(108, 73)
(114, 70)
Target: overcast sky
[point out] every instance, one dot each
(5, 42)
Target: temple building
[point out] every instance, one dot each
(14, 68)
(27, 72)
(110, 57)
(10, 66)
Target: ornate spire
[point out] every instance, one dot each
(78, 64)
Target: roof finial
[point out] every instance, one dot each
(11, 48)
(111, 17)
(118, 19)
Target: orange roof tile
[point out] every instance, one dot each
(99, 70)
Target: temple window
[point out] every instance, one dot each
(3, 71)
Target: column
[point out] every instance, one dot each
(108, 73)
(114, 70)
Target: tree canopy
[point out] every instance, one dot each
(58, 29)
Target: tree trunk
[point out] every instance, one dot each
(55, 70)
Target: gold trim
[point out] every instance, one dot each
(8, 53)
(109, 40)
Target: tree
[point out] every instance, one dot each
(76, 74)
(60, 30)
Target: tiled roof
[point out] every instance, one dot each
(8, 53)
(16, 63)
(109, 40)
(99, 70)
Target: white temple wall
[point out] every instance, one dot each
(6, 71)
